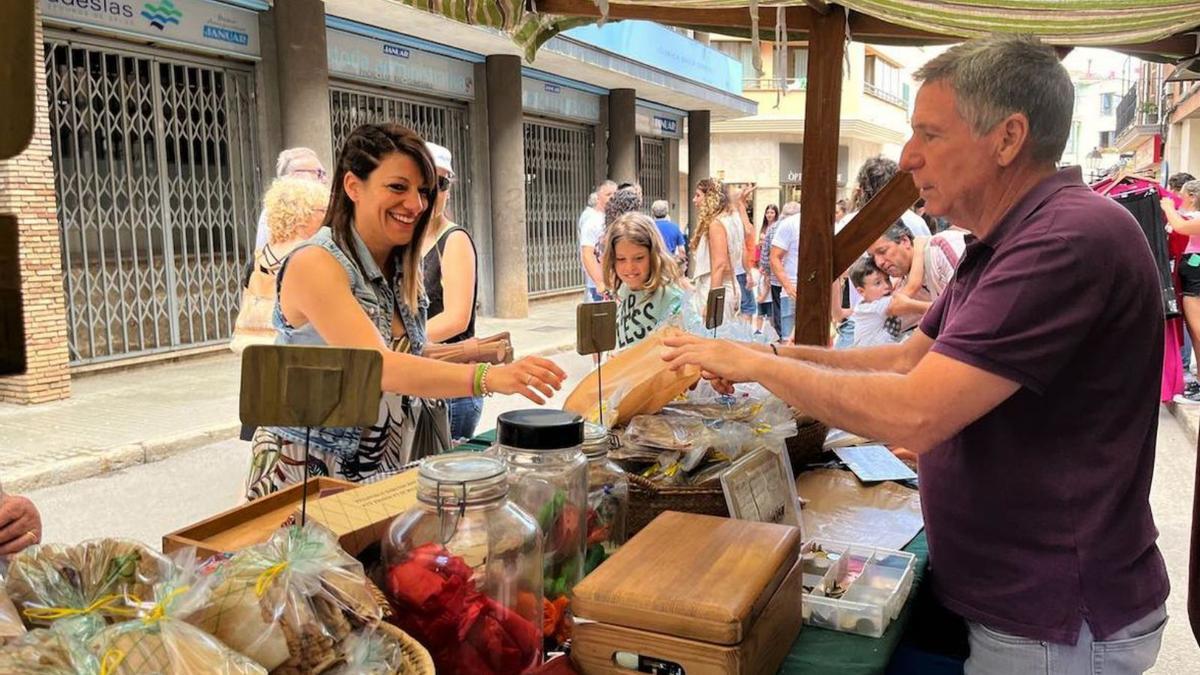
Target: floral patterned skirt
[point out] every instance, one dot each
(384, 450)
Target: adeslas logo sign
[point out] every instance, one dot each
(109, 7)
(162, 14)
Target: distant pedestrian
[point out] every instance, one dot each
(762, 269)
(766, 247)
(873, 175)
(448, 260)
(298, 162)
(671, 233)
(591, 229)
(710, 245)
(294, 209)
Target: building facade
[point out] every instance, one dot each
(161, 122)
(767, 148)
(1139, 120)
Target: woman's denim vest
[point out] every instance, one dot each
(377, 298)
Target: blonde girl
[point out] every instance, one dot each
(712, 266)
(646, 279)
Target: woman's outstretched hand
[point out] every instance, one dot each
(533, 377)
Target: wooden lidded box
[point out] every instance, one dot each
(695, 594)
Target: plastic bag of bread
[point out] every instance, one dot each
(48, 651)
(371, 651)
(636, 381)
(161, 641)
(289, 602)
(11, 626)
(83, 586)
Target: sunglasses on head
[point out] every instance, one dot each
(444, 183)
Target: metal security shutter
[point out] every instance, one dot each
(157, 193)
(559, 176)
(444, 123)
(652, 169)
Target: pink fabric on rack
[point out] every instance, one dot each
(1172, 375)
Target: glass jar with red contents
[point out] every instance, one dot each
(608, 498)
(548, 478)
(463, 568)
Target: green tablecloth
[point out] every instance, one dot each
(825, 651)
(829, 652)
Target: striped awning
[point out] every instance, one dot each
(1061, 22)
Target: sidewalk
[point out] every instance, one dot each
(118, 419)
(1188, 417)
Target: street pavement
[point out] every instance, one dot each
(122, 418)
(145, 501)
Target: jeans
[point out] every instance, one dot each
(748, 303)
(464, 416)
(787, 317)
(1133, 649)
(592, 295)
(777, 309)
(845, 335)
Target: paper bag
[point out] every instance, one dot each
(636, 382)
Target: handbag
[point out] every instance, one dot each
(495, 349)
(431, 431)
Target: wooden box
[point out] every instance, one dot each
(250, 523)
(699, 593)
(360, 517)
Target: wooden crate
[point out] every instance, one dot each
(250, 523)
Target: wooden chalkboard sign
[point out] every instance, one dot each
(288, 386)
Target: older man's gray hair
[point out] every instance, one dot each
(283, 165)
(660, 208)
(593, 200)
(789, 209)
(999, 75)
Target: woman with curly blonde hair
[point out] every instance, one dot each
(293, 209)
(712, 266)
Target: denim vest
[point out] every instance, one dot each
(377, 298)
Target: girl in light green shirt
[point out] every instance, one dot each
(647, 280)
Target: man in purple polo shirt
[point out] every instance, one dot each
(1030, 391)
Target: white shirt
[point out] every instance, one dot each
(787, 237)
(915, 223)
(591, 228)
(869, 319)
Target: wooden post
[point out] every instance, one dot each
(822, 120)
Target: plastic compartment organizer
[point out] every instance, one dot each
(852, 588)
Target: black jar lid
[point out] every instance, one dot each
(540, 429)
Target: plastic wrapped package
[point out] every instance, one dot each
(11, 626)
(86, 586)
(371, 651)
(161, 641)
(289, 602)
(48, 651)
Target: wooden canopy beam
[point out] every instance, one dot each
(871, 222)
(818, 6)
(822, 113)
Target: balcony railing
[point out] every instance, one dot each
(775, 84)
(1136, 111)
(883, 94)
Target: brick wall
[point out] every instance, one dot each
(27, 190)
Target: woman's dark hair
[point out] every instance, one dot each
(362, 153)
(872, 176)
(769, 207)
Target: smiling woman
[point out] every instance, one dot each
(357, 283)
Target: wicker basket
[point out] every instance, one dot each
(417, 660)
(647, 499)
(807, 445)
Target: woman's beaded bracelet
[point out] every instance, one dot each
(481, 373)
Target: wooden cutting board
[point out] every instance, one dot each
(690, 576)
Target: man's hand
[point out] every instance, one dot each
(20, 524)
(722, 362)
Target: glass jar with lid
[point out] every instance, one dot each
(548, 478)
(608, 498)
(463, 568)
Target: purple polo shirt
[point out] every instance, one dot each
(1038, 513)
